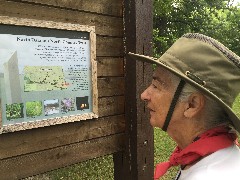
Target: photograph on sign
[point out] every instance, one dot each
(45, 79)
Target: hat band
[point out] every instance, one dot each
(173, 104)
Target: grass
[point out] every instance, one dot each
(102, 168)
(163, 147)
(95, 169)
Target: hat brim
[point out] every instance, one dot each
(233, 117)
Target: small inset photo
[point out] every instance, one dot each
(82, 103)
(14, 111)
(51, 106)
(67, 104)
(33, 108)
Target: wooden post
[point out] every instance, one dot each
(136, 162)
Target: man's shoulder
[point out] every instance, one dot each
(221, 157)
(228, 156)
(221, 165)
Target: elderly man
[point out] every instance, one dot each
(193, 88)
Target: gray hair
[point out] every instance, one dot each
(213, 113)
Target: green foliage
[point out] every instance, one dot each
(33, 108)
(217, 19)
(14, 111)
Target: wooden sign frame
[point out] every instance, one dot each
(67, 28)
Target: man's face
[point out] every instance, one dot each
(158, 97)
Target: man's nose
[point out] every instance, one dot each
(145, 95)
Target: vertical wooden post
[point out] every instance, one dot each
(136, 162)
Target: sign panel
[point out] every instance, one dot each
(46, 76)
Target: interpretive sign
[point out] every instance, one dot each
(47, 74)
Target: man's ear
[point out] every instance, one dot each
(194, 105)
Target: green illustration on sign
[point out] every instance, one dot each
(44, 78)
(33, 108)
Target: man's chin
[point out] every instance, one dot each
(153, 123)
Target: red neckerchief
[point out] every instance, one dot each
(207, 143)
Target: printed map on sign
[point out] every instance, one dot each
(44, 78)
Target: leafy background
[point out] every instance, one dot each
(216, 18)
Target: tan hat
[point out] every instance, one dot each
(207, 65)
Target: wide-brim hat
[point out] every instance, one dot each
(207, 65)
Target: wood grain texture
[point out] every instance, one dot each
(111, 105)
(136, 162)
(105, 25)
(109, 66)
(42, 161)
(109, 46)
(40, 139)
(108, 7)
(34, 151)
(110, 86)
